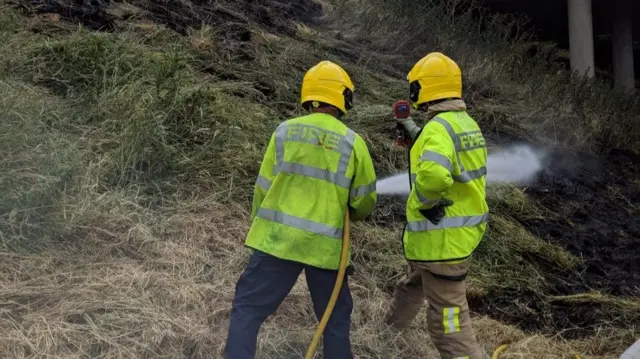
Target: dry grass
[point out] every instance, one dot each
(127, 161)
(168, 296)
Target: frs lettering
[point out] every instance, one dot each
(471, 140)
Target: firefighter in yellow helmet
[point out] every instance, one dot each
(315, 168)
(446, 210)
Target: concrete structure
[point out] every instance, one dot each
(581, 41)
(622, 39)
(581, 37)
(599, 32)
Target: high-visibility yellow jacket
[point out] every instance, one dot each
(314, 166)
(447, 160)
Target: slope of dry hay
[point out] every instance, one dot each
(127, 165)
(134, 294)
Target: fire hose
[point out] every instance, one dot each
(344, 256)
(402, 109)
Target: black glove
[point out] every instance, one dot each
(436, 213)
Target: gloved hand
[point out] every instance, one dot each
(407, 123)
(436, 213)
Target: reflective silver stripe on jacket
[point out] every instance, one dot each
(363, 190)
(330, 140)
(465, 176)
(263, 182)
(315, 172)
(437, 158)
(426, 201)
(300, 223)
(447, 222)
(469, 176)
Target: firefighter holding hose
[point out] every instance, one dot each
(446, 211)
(314, 170)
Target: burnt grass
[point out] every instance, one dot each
(180, 15)
(597, 216)
(592, 205)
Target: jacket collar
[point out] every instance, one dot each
(445, 106)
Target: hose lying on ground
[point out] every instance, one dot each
(500, 349)
(344, 256)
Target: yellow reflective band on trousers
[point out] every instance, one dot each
(450, 320)
(450, 154)
(307, 177)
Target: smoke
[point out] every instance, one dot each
(518, 164)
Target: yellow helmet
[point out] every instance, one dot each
(328, 83)
(434, 77)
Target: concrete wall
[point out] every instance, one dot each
(598, 33)
(622, 40)
(581, 37)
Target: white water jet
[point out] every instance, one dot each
(633, 352)
(514, 165)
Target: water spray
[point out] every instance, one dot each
(518, 165)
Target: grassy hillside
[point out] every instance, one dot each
(131, 135)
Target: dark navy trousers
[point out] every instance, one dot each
(264, 284)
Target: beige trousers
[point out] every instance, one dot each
(449, 323)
